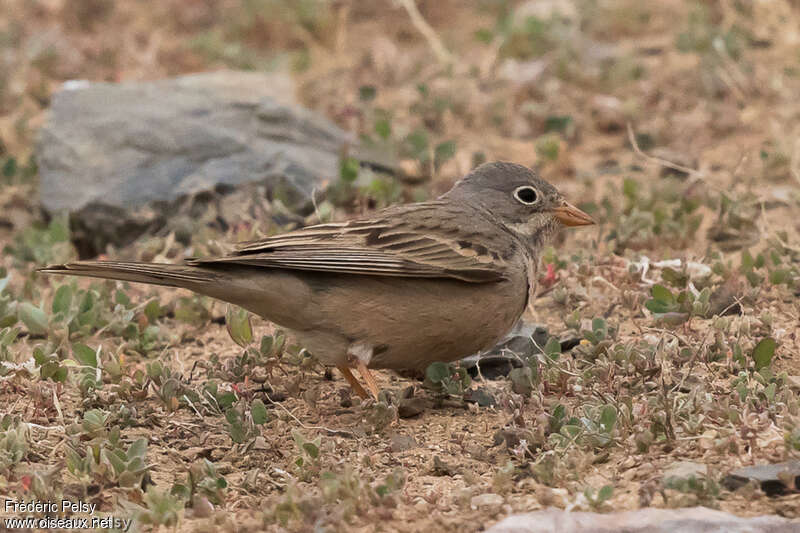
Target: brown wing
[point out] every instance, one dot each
(423, 240)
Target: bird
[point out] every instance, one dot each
(398, 289)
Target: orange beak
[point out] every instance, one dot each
(569, 215)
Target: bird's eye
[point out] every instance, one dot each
(526, 194)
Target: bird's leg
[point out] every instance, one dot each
(358, 356)
(351, 379)
(371, 384)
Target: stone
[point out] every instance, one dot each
(480, 396)
(489, 500)
(401, 443)
(517, 347)
(121, 157)
(650, 520)
(411, 407)
(774, 479)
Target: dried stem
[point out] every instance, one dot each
(663, 162)
(422, 26)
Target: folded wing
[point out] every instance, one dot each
(425, 242)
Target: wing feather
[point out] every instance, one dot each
(409, 241)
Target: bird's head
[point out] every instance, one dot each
(519, 199)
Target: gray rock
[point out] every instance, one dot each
(119, 156)
(520, 344)
(774, 479)
(650, 520)
(401, 443)
(486, 500)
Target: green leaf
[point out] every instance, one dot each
(747, 261)
(85, 355)
(311, 449)
(152, 311)
(437, 372)
(630, 189)
(662, 294)
(367, 93)
(443, 152)
(558, 123)
(776, 277)
(191, 310)
(235, 428)
(605, 493)
(608, 418)
(10, 167)
(266, 346)
(770, 390)
(417, 142)
(763, 352)
(62, 299)
(116, 462)
(138, 449)
(484, 35)
(348, 169)
(33, 317)
(259, 412)
(553, 348)
(657, 307)
(600, 327)
(674, 278)
(121, 298)
(226, 400)
(60, 375)
(39, 356)
(383, 127)
(238, 323)
(548, 146)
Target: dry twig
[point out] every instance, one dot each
(663, 162)
(422, 26)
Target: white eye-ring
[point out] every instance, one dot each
(526, 195)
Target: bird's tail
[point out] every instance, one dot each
(169, 275)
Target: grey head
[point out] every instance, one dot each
(516, 197)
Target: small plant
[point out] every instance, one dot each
(598, 500)
(237, 321)
(345, 489)
(14, 442)
(240, 426)
(763, 353)
(8, 306)
(7, 337)
(677, 309)
(595, 429)
(447, 379)
(167, 384)
(307, 461)
(50, 365)
(43, 244)
(698, 489)
(89, 373)
(106, 462)
(663, 215)
(202, 479)
(162, 508)
(34, 318)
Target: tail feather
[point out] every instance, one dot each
(153, 273)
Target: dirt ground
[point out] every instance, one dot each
(675, 124)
